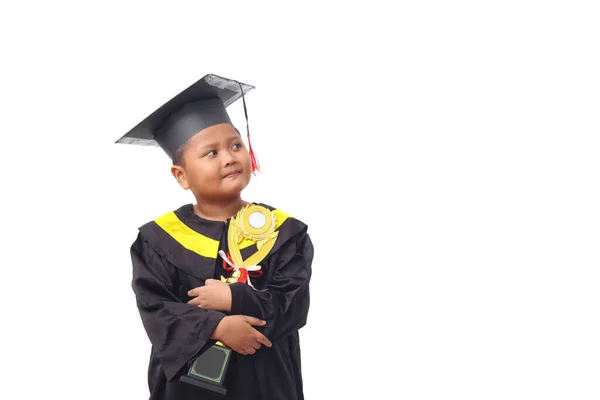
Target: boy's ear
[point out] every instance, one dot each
(179, 174)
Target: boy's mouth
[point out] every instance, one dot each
(232, 174)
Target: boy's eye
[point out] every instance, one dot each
(237, 146)
(212, 153)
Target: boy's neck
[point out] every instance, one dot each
(220, 210)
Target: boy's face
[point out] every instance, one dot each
(216, 164)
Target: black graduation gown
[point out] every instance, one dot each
(178, 252)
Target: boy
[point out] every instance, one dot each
(223, 273)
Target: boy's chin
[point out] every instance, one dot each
(233, 189)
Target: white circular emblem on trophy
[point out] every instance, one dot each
(257, 220)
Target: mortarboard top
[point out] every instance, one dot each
(201, 105)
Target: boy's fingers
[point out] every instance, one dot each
(195, 301)
(255, 321)
(263, 339)
(256, 345)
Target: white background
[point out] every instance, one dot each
(444, 155)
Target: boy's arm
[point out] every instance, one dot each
(284, 303)
(177, 330)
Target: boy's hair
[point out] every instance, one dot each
(178, 156)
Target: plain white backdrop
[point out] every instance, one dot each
(443, 154)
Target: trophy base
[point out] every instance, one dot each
(222, 390)
(209, 370)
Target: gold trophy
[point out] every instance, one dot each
(253, 224)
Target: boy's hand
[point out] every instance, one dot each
(214, 295)
(238, 333)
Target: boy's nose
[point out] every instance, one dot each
(228, 158)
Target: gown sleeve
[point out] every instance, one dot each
(285, 300)
(177, 330)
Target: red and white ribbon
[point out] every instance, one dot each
(243, 270)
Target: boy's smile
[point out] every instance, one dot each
(233, 174)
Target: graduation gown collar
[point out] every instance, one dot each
(191, 243)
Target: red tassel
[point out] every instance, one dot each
(255, 164)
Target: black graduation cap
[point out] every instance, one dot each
(201, 105)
